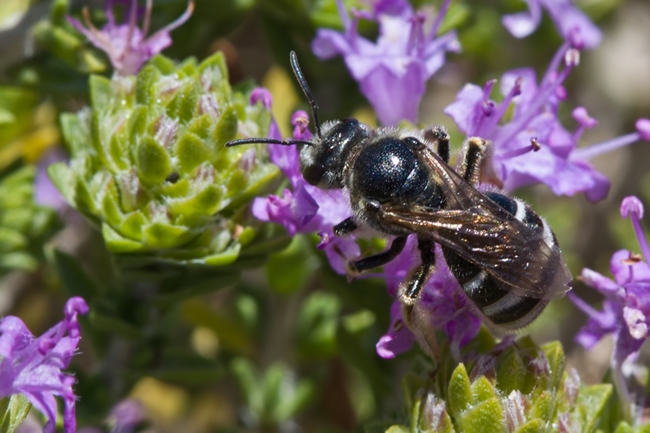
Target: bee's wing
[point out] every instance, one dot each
(487, 235)
(511, 252)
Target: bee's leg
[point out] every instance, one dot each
(474, 152)
(345, 227)
(357, 266)
(418, 277)
(441, 137)
(416, 318)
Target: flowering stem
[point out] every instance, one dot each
(604, 147)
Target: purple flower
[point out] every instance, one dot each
(572, 23)
(127, 45)
(305, 208)
(532, 146)
(393, 71)
(32, 366)
(626, 308)
(446, 307)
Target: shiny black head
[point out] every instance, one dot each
(323, 162)
(322, 159)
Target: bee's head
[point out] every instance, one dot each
(323, 161)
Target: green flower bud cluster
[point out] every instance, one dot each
(24, 226)
(522, 389)
(149, 164)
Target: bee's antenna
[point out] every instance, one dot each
(267, 141)
(305, 88)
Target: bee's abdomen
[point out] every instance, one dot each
(503, 309)
(500, 307)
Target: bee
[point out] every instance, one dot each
(504, 256)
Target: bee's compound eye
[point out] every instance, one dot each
(313, 174)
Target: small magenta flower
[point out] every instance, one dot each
(393, 71)
(305, 208)
(529, 144)
(127, 45)
(33, 366)
(626, 308)
(571, 22)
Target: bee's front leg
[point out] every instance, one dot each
(345, 227)
(356, 267)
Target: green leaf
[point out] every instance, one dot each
(153, 162)
(207, 203)
(191, 152)
(15, 410)
(556, 363)
(459, 392)
(483, 390)
(145, 85)
(485, 417)
(100, 91)
(227, 126)
(510, 370)
(533, 426)
(591, 402)
(544, 406)
(163, 235)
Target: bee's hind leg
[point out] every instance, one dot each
(417, 319)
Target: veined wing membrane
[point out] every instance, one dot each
(507, 249)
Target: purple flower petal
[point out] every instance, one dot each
(32, 366)
(393, 71)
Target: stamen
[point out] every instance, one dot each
(441, 15)
(345, 18)
(178, 21)
(503, 107)
(147, 18)
(572, 58)
(587, 153)
(351, 30)
(633, 208)
(133, 21)
(586, 308)
(585, 121)
(534, 147)
(300, 121)
(643, 128)
(415, 42)
(541, 98)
